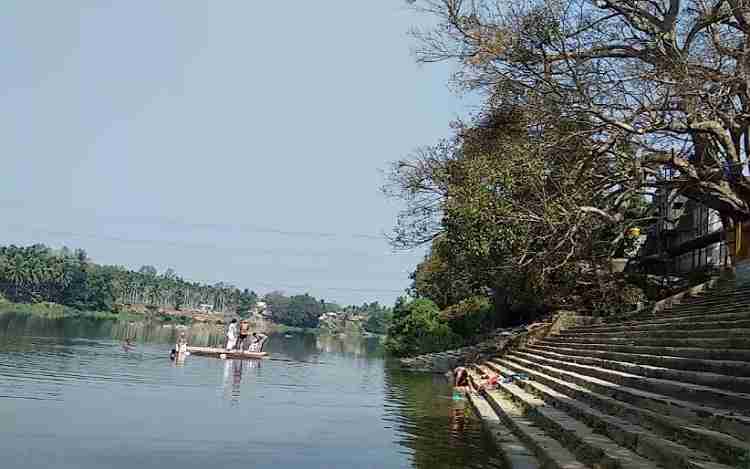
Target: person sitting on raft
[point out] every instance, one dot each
(257, 342)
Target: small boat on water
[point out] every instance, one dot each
(224, 353)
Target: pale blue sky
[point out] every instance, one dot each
(234, 141)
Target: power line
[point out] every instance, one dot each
(189, 245)
(241, 227)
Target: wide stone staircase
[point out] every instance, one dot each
(669, 390)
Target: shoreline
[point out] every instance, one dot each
(55, 311)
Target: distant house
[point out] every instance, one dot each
(261, 310)
(206, 308)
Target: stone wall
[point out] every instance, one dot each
(502, 341)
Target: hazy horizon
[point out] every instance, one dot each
(232, 142)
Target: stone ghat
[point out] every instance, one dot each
(665, 388)
(441, 362)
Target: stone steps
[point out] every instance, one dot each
(724, 448)
(714, 298)
(673, 332)
(731, 383)
(727, 314)
(659, 390)
(698, 394)
(741, 355)
(587, 446)
(724, 367)
(725, 343)
(546, 449)
(517, 456)
(703, 310)
(661, 325)
(712, 417)
(631, 434)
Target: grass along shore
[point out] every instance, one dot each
(49, 310)
(56, 311)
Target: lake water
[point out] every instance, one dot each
(72, 397)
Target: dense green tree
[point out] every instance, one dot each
(246, 301)
(417, 327)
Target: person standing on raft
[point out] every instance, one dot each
(231, 335)
(181, 346)
(244, 332)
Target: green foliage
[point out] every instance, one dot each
(511, 214)
(441, 280)
(378, 321)
(247, 300)
(744, 461)
(470, 317)
(55, 311)
(418, 327)
(296, 311)
(37, 274)
(180, 319)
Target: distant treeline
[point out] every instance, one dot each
(304, 311)
(38, 273)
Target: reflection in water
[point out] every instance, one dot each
(324, 401)
(441, 432)
(233, 377)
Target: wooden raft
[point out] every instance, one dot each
(217, 352)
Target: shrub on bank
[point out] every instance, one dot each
(470, 316)
(418, 327)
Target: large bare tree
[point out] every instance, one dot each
(667, 80)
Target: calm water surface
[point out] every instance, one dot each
(72, 397)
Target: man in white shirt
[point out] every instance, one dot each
(231, 335)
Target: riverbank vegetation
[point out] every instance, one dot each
(66, 283)
(54, 311)
(588, 109)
